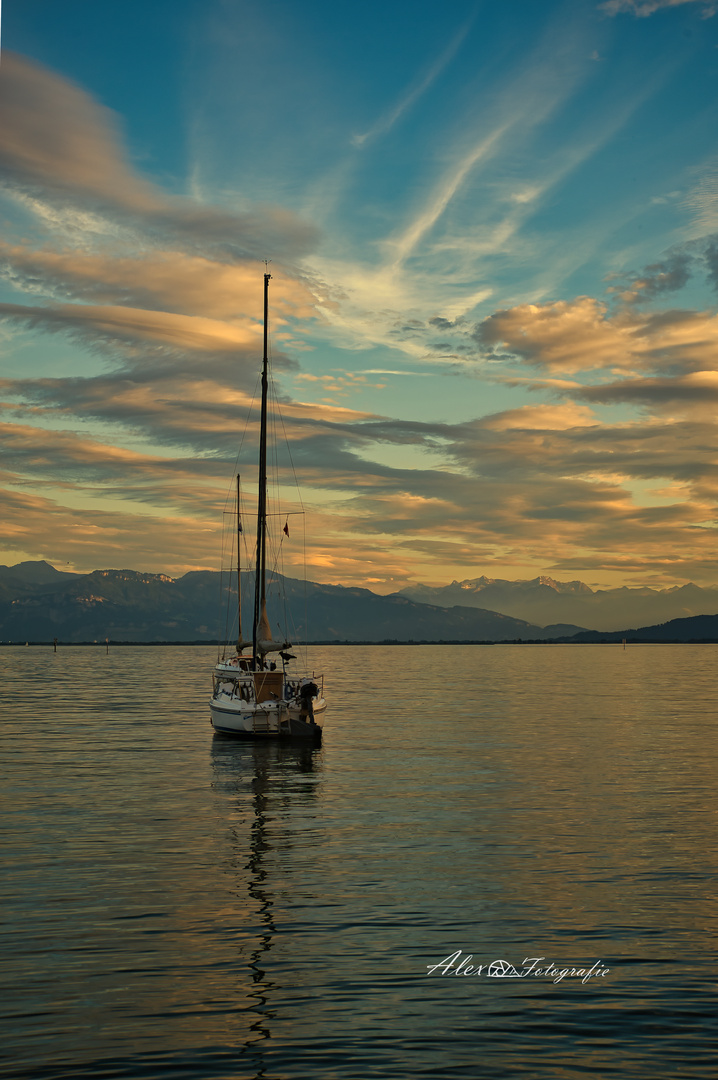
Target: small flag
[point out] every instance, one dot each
(286, 527)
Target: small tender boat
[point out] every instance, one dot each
(254, 696)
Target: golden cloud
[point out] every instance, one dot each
(581, 336)
(59, 146)
(174, 281)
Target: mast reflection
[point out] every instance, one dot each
(264, 783)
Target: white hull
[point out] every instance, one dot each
(272, 719)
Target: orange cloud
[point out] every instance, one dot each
(55, 135)
(581, 336)
(61, 146)
(542, 418)
(173, 281)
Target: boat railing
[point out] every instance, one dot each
(262, 686)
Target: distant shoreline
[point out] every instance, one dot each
(386, 643)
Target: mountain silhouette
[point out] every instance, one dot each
(39, 603)
(544, 600)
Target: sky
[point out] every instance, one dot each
(492, 231)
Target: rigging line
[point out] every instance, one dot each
(277, 414)
(274, 472)
(273, 492)
(247, 560)
(247, 420)
(289, 454)
(230, 615)
(297, 636)
(225, 593)
(279, 559)
(278, 417)
(289, 620)
(287, 613)
(305, 635)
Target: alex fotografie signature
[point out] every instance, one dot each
(502, 969)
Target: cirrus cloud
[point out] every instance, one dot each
(61, 147)
(643, 8)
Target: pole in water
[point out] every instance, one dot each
(107, 646)
(624, 644)
(54, 644)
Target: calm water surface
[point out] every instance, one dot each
(179, 905)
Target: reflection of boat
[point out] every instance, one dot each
(263, 788)
(253, 696)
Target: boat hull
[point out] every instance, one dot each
(271, 721)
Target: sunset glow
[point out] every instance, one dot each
(493, 239)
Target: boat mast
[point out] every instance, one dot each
(240, 640)
(260, 604)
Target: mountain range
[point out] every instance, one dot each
(697, 628)
(542, 600)
(39, 603)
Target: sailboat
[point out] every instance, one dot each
(254, 696)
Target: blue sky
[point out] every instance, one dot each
(492, 235)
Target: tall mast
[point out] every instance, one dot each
(260, 605)
(240, 640)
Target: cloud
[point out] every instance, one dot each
(711, 258)
(525, 485)
(643, 8)
(122, 325)
(170, 407)
(405, 244)
(582, 336)
(47, 458)
(126, 465)
(701, 198)
(56, 138)
(695, 393)
(90, 537)
(61, 147)
(390, 371)
(519, 109)
(670, 275)
(173, 281)
(464, 224)
(541, 418)
(529, 485)
(562, 336)
(386, 122)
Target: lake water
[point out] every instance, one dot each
(180, 905)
